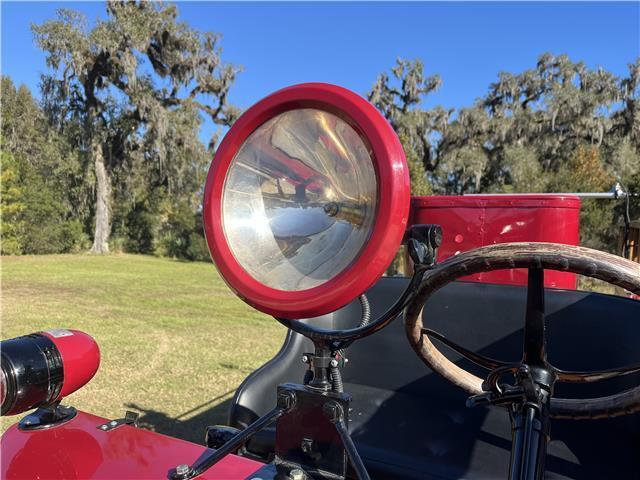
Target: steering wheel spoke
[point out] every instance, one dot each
(535, 341)
(596, 375)
(480, 360)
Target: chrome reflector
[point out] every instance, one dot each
(299, 200)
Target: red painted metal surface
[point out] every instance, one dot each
(391, 216)
(471, 221)
(79, 450)
(80, 356)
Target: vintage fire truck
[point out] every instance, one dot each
(485, 362)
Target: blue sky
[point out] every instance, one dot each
(349, 44)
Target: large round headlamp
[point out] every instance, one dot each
(306, 200)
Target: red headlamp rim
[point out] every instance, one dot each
(391, 215)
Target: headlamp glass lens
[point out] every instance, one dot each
(299, 200)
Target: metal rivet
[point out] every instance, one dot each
(305, 359)
(113, 423)
(103, 427)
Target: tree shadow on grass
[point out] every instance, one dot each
(191, 428)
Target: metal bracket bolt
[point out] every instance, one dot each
(286, 400)
(297, 474)
(333, 411)
(306, 446)
(130, 418)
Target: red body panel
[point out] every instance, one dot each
(79, 450)
(80, 356)
(471, 221)
(391, 216)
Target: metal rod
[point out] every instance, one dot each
(234, 443)
(530, 415)
(529, 444)
(590, 195)
(534, 328)
(351, 334)
(597, 195)
(352, 451)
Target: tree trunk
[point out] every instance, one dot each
(103, 202)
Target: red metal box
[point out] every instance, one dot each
(471, 221)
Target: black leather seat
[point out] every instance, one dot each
(409, 423)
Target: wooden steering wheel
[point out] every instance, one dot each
(534, 256)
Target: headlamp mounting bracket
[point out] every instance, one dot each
(47, 417)
(323, 452)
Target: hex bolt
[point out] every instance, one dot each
(113, 423)
(334, 362)
(333, 411)
(103, 427)
(306, 445)
(296, 474)
(286, 400)
(182, 469)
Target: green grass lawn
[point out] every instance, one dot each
(175, 341)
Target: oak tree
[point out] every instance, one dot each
(132, 86)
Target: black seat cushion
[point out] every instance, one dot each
(409, 423)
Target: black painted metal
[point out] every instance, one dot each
(530, 414)
(216, 436)
(306, 436)
(311, 428)
(596, 375)
(47, 417)
(320, 362)
(529, 443)
(423, 242)
(388, 388)
(342, 338)
(352, 452)
(535, 348)
(209, 459)
(33, 368)
(480, 360)
(528, 397)
(311, 432)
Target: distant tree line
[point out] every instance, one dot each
(110, 157)
(558, 127)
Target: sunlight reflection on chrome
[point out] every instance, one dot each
(299, 201)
